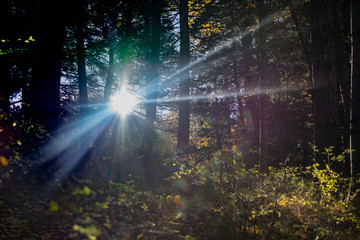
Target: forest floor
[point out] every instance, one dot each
(25, 212)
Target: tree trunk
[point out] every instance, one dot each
(4, 58)
(44, 87)
(263, 98)
(184, 78)
(110, 76)
(251, 112)
(326, 94)
(355, 126)
(152, 83)
(80, 36)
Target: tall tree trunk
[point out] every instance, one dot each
(45, 83)
(343, 73)
(152, 83)
(83, 93)
(305, 40)
(110, 76)
(238, 87)
(4, 58)
(184, 78)
(326, 94)
(263, 98)
(80, 38)
(355, 88)
(251, 112)
(342, 69)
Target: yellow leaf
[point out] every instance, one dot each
(168, 197)
(3, 161)
(86, 190)
(54, 206)
(19, 142)
(14, 124)
(176, 199)
(139, 236)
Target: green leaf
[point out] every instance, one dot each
(102, 205)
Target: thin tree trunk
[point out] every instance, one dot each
(239, 98)
(263, 98)
(184, 78)
(110, 76)
(80, 36)
(251, 116)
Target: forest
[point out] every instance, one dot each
(180, 119)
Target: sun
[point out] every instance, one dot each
(123, 102)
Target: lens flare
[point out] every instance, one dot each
(123, 102)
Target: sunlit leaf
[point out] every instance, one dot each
(3, 161)
(102, 205)
(54, 206)
(86, 190)
(91, 232)
(176, 199)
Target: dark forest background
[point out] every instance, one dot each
(248, 125)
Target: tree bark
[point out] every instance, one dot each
(4, 58)
(263, 97)
(45, 82)
(251, 112)
(152, 83)
(355, 88)
(184, 78)
(110, 76)
(342, 70)
(326, 94)
(80, 38)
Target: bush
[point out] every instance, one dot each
(227, 201)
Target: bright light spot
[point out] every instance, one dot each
(123, 102)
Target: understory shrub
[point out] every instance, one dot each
(224, 200)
